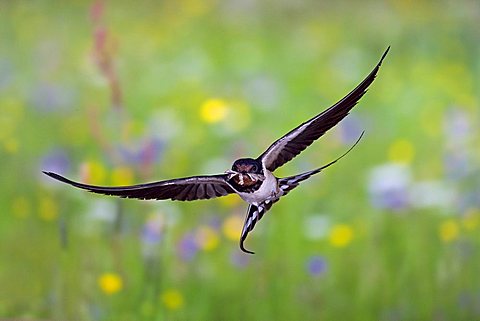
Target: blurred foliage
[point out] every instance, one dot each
(125, 92)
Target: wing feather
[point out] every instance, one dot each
(182, 189)
(298, 139)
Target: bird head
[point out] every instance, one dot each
(247, 166)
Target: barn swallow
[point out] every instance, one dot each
(251, 178)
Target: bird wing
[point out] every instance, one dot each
(286, 184)
(295, 141)
(181, 189)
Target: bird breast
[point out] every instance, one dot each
(264, 190)
(247, 180)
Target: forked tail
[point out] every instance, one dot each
(289, 183)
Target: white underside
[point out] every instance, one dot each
(268, 190)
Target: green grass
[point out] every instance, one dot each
(268, 63)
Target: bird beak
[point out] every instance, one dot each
(230, 173)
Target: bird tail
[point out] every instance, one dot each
(289, 183)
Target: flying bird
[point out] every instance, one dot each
(251, 178)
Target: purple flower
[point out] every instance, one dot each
(316, 265)
(457, 126)
(465, 300)
(239, 259)
(469, 301)
(151, 151)
(215, 222)
(350, 128)
(392, 198)
(6, 73)
(152, 234)
(388, 186)
(458, 132)
(152, 231)
(56, 160)
(146, 151)
(187, 247)
(456, 163)
(50, 98)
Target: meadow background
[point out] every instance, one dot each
(121, 92)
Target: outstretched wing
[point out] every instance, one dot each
(286, 184)
(295, 141)
(182, 189)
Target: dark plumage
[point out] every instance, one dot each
(182, 189)
(251, 179)
(299, 138)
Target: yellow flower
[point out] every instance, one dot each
(449, 230)
(207, 238)
(471, 220)
(122, 176)
(341, 235)
(196, 7)
(230, 200)
(21, 207)
(232, 227)
(213, 110)
(11, 145)
(401, 151)
(110, 283)
(10, 119)
(94, 172)
(431, 122)
(48, 209)
(172, 299)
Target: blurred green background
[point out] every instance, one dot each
(124, 92)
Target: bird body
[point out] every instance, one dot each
(267, 189)
(252, 179)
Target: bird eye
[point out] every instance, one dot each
(254, 168)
